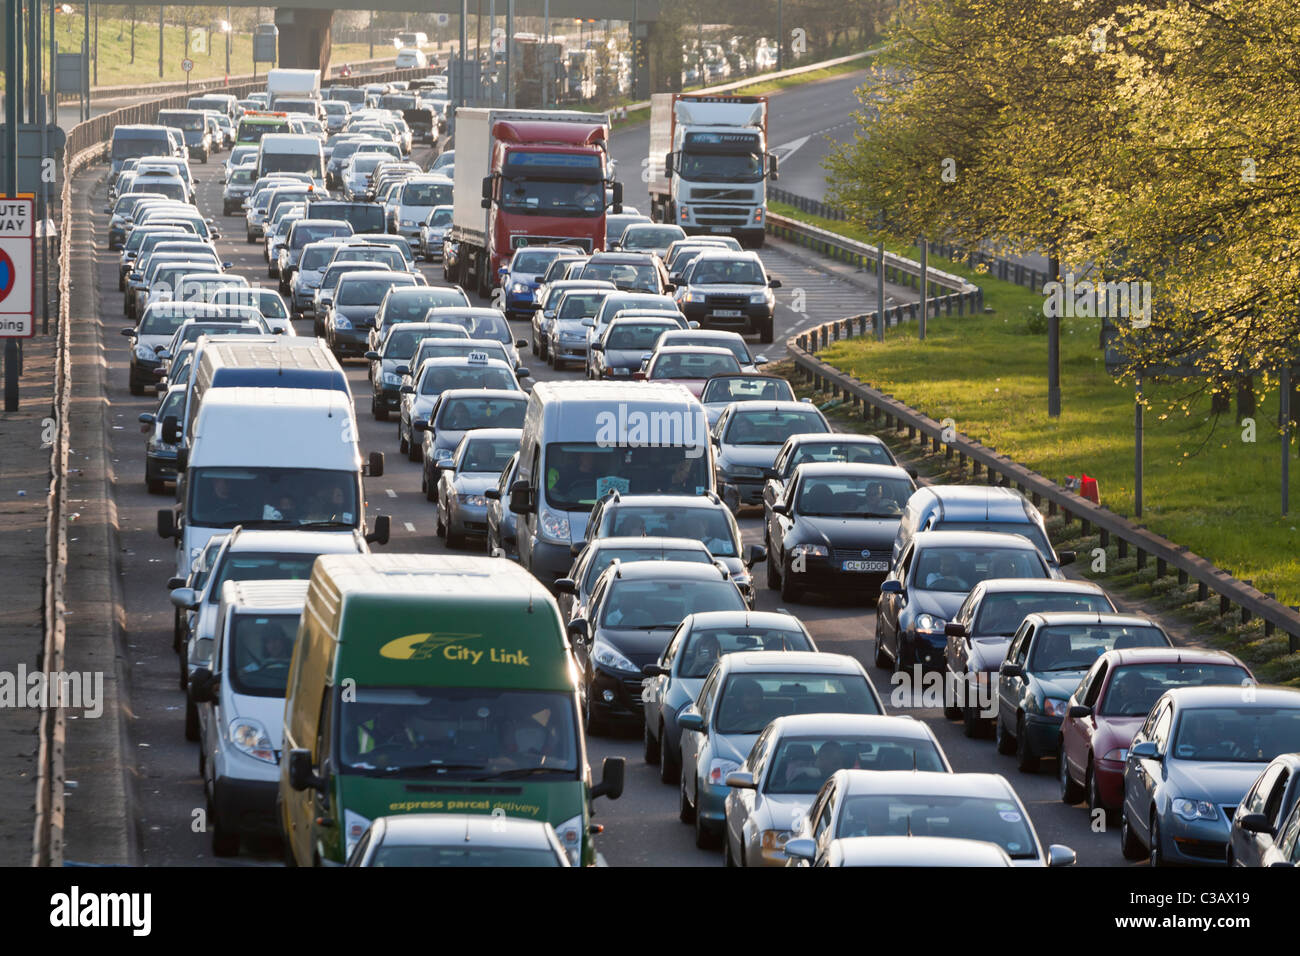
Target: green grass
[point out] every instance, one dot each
(116, 68)
(1204, 486)
(772, 86)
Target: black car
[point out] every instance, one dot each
(746, 439)
(729, 290)
(353, 307)
(626, 345)
(822, 446)
(833, 529)
(502, 539)
(635, 608)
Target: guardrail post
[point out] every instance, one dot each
(1202, 591)
(1105, 537)
(1123, 548)
(1162, 568)
(1182, 577)
(1224, 605)
(1141, 559)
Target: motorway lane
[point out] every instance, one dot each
(641, 828)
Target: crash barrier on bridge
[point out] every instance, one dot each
(998, 267)
(86, 144)
(946, 292)
(885, 411)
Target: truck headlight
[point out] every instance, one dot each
(249, 736)
(554, 524)
(606, 655)
(570, 834)
(354, 828)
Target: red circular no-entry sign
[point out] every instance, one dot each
(7, 274)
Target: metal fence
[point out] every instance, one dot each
(884, 410)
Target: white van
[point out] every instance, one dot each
(411, 59)
(291, 153)
(284, 458)
(241, 707)
(582, 440)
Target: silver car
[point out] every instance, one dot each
(794, 756)
(883, 803)
(895, 851)
(459, 484)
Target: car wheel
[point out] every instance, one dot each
(1005, 743)
(534, 347)
(650, 751)
(765, 336)
(454, 539)
(429, 488)
(789, 590)
(773, 575)
(248, 237)
(134, 389)
(1025, 762)
(1071, 792)
(951, 711)
(595, 725)
(225, 842)
(413, 451)
(882, 660)
(685, 812)
(439, 528)
(156, 486)
(705, 838)
(1093, 790)
(403, 445)
(176, 629)
(669, 770)
(1129, 844)
(1157, 857)
(191, 720)
(897, 664)
(970, 722)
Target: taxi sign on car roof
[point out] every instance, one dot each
(478, 357)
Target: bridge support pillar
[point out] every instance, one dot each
(304, 38)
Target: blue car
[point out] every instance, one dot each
(523, 275)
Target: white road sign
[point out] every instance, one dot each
(17, 273)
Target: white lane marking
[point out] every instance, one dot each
(390, 492)
(409, 527)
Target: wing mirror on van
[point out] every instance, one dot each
(613, 771)
(302, 776)
(202, 690)
(171, 431)
(375, 467)
(521, 497)
(187, 599)
(383, 527)
(166, 523)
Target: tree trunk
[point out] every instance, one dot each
(1245, 397)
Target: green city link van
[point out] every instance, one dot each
(431, 684)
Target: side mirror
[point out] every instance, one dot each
(690, 719)
(761, 360)
(1146, 750)
(487, 191)
(522, 372)
(521, 497)
(146, 418)
(376, 469)
(492, 494)
(613, 771)
(780, 508)
(1065, 557)
(174, 583)
(612, 247)
(1058, 855)
(579, 630)
(771, 474)
(383, 528)
(566, 586)
(403, 370)
(409, 390)
(892, 586)
(589, 323)
(187, 599)
(1011, 669)
(668, 164)
(521, 343)
(801, 848)
(598, 346)
(654, 670)
(773, 167)
(954, 629)
(741, 780)
(372, 355)
(1080, 710)
(419, 424)
(1255, 823)
(201, 689)
(913, 474)
(129, 333)
(301, 774)
(171, 431)
(755, 554)
(575, 549)
(166, 523)
(774, 283)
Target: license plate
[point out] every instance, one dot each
(719, 229)
(866, 566)
(728, 313)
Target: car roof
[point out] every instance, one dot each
(500, 394)
(776, 619)
(900, 726)
(646, 541)
(664, 501)
(291, 541)
(971, 539)
(1171, 655)
(697, 334)
(1216, 695)
(674, 570)
(828, 438)
(1083, 617)
(777, 406)
(918, 851)
(464, 829)
(492, 434)
(999, 585)
(780, 662)
(925, 781)
(692, 350)
(849, 469)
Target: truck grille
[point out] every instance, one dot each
(721, 211)
(518, 242)
(715, 221)
(723, 195)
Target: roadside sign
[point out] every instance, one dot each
(443, 19)
(187, 64)
(17, 273)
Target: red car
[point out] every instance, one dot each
(1113, 700)
(690, 365)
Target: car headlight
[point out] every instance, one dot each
(473, 501)
(745, 471)
(1194, 809)
(554, 524)
(929, 624)
(718, 770)
(1119, 754)
(249, 736)
(341, 322)
(408, 223)
(354, 828)
(194, 554)
(570, 834)
(759, 298)
(160, 446)
(518, 288)
(606, 655)
(439, 453)
(573, 337)
(693, 297)
(809, 551)
(145, 353)
(1054, 707)
(391, 378)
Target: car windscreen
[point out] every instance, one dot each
(315, 259)
(577, 473)
(649, 237)
(1134, 688)
(531, 262)
(635, 336)
(170, 187)
(410, 305)
(261, 566)
(488, 454)
(802, 764)
(947, 568)
(726, 390)
(1073, 647)
(1246, 733)
(259, 651)
(461, 854)
(852, 496)
(304, 234)
(706, 645)
(987, 819)
(437, 379)
(464, 413)
(353, 291)
(674, 365)
(625, 275)
(127, 146)
(185, 121)
(1026, 529)
(479, 326)
(426, 194)
(222, 497)
(389, 258)
(751, 701)
(868, 453)
(580, 305)
(461, 733)
(161, 321)
(727, 272)
(763, 426)
(706, 524)
(401, 342)
(364, 217)
(650, 604)
(1001, 612)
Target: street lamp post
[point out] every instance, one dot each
(225, 29)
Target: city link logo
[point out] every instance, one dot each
(635, 428)
(452, 647)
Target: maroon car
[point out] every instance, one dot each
(689, 365)
(1113, 700)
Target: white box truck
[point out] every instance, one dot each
(709, 163)
(292, 84)
(527, 177)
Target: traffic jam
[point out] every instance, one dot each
(357, 694)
